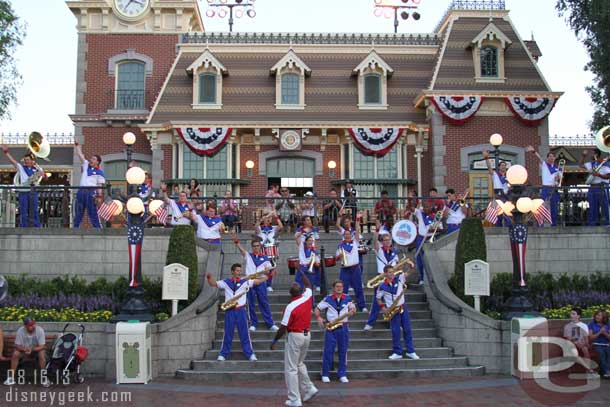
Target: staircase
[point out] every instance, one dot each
(368, 350)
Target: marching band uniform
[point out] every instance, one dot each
(304, 235)
(387, 293)
(236, 316)
(26, 172)
(335, 307)
(549, 181)
(351, 273)
(177, 210)
(85, 198)
(424, 221)
(385, 257)
(305, 255)
(455, 216)
(598, 194)
(267, 235)
(254, 264)
(208, 228)
(500, 185)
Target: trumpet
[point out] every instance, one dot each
(343, 257)
(233, 301)
(312, 263)
(562, 166)
(397, 270)
(336, 323)
(462, 200)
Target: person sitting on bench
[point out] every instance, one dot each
(29, 343)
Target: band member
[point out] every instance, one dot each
(268, 233)
(180, 209)
(500, 183)
(256, 262)
(91, 176)
(28, 172)
(437, 203)
(307, 254)
(336, 305)
(551, 177)
(386, 256)
(236, 316)
(424, 218)
(598, 191)
(347, 224)
(391, 292)
(209, 225)
(349, 198)
(455, 211)
(307, 229)
(351, 273)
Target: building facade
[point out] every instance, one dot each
(306, 110)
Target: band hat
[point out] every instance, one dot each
(309, 193)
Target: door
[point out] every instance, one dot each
(296, 174)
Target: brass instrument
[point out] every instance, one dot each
(343, 257)
(462, 200)
(38, 145)
(35, 178)
(591, 177)
(562, 166)
(397, 270)
(337, 322)
(233, 301)
(259, 274)
(602, 139)
(312, 262)
(438, 218)
(394, 308)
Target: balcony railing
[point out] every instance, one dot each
(21, 139)
(128, 100)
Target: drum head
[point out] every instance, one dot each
(404, 232)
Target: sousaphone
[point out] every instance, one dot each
(602, 139)
(38, 145)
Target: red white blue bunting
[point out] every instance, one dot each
(375, 141)
(458, 109)
(530, 111)
(204, 141)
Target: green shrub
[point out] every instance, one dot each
(183, 250)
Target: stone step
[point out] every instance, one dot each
(280, 296)
(315, 364)
(237, 376)
(360, 316)
(357, 343)
(312, 354)
(353, 334)
(354, 326)
(413, 306)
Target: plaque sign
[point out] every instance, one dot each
(175, 284)
(476, 280)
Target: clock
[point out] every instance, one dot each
(290, 140)
(131, 9)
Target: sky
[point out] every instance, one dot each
(47, 58)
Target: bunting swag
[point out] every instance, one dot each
(204, 141)
(458, 109)
(530, 111)
(376, 142)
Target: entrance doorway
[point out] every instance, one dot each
(296, 174)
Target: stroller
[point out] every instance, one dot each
(67, 355)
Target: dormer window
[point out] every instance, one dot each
(290, 73)
(207, 72)
(373, 73)
(488, 54)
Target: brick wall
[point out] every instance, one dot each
(109, 140)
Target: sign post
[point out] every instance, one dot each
(175, 284)
(476, 281)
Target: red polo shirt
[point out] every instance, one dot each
(297, 315)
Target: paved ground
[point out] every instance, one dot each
(478, 391)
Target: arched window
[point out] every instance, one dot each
(372, 89)
(207, 88)
(489, 62)
(290, 89)
(130, 86)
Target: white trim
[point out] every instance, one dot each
(202, 70)
(491, 33)
(372, 106)
(162, 91)
(207, 60)
(373, 62)
(278, 88)
(291, 61)
(130, 55)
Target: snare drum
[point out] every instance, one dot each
(270, 250)
(330, 261)
(293, 265)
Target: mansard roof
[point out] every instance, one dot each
(374, 61)
(291, 60)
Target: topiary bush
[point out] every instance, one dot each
(470, 246)
(183, 250)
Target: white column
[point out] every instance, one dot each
(418, 155)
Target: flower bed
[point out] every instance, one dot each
(14, 313)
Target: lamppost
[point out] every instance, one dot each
(129, 140)
(239, 13)
(496, 141)
(387, 8)
(249, 167)
(331, 168)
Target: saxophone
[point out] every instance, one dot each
(233, 301)
(394, 308)
(259, 274)
(337, 322)
(397, 270)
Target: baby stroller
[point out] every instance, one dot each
(67, 355)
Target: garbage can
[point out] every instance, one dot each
(133, 352)
(527, 344)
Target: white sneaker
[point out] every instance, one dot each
(351, 290)
(253, 358)
(274, 328)
(365, 309)
(293, 403)
(310, 394)
(413, 356)
(9, 381)
(421, 282)
(367, 327)
(317, 289)
(325, 379)
(252, 328)
(220, 358)
(269, 289)
(395, 356)
(343, 379)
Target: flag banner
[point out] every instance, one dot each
(530, 111)
(543, 215)
(375, 141)
(161, 213)
(204, 141)
(458, 109)
(518, 243)
(492, 212)
(135, 236)
(107, 210)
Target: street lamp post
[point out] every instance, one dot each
(129, 140)
(496, 141)
(249, 4)
(387, 8)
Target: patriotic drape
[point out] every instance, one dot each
(375, 141)
(530, 111)
(457, 109)
(518, 244)
(135, 236)
(204, 141)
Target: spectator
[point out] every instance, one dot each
(385, 210)
(194, 189)
(437, 203)
(349, 196)
(599, 334)
(578, 333)
(271, 193)
(410, 205)
(29, 343)
(331, 210)
(229, 210)
(308, 207)
(286, 209)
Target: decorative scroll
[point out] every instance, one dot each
(530, 111)
(204, 141)
(458, 109)
(377, 141)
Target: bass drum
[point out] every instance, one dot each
(404, 232)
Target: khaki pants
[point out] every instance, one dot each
(295, 371)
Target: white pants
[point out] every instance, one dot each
(295, 371)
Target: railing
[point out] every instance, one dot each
(21, 139)
(56, 208)
(129, 100)
(585, 140)
(471, 5)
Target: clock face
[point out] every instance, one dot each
(290, 140)
(131, 8)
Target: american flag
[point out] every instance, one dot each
(492, 212)
(161, 214)
(107, 210)
(543, 215)
(518, 243)
(135, 236)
